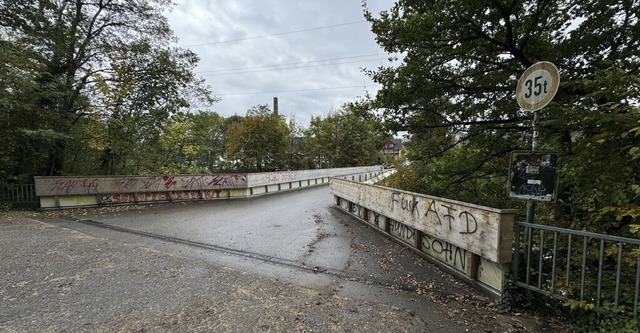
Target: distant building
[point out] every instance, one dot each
(392, 148)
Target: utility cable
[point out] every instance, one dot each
(297, 67)
(276, 34)
(297, 90)
(289, 64)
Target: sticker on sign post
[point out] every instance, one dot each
(533, 175)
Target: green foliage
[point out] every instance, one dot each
(606, 319)
(23, 153)
(259, 142)
(100, 74)
(406, 177)
(454, 94)
(349, 137)
(514, 297)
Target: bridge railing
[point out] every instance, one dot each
(595, 269)
(67, 192)
(18, 193)
(473, 242)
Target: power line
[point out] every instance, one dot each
(287, 68)
(277, 34)
(289, 91)
(289, 64)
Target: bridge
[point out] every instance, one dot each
(360, 238)
(282, 261)
(472, 242)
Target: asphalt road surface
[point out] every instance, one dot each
(287, 262)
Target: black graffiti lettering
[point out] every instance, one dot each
(451, 254)
(448, 215)
(394, 200)
(436, 246)
(432, 209)
(402, 230)
(405, 204)
(410, 205)
(352, 208)
(105, 200)
(426, 242)
(376, 219)
(448, 251)
(472, 223)
(462, 256)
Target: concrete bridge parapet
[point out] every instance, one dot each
(91, 191)
(473, 242)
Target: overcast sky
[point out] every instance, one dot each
(308, 53)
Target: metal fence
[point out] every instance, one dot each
(18, 193)
(598, 270)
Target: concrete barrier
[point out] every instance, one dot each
(471, 241)
(66, 192)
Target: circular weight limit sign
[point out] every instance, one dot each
(537, 86)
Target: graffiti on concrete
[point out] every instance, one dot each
(185, 195)
(443, 215)
(158, 182)
(117, 199)
(227, 181)
(480, 230)
(137, 184)
(75, 186)
(409, 205)
(213, 194)
(447, 215)
(284, 176)
(444, 251)
(152, 196)
(128, 198)
(105, 200)
(402, 231)
(126, 183)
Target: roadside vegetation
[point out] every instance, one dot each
(95, 87)
(454, 94)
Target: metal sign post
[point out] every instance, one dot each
(536, 88)
(535, 142)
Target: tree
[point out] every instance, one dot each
(144, 89)
(21, 152)
(297, 153)
(78, 51)
(207, 131)
(192, 143)
(347, 138)
(259, 142)
(454, 93)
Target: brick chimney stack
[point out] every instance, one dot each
(275, 106)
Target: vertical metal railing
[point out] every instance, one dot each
(18, 193)
(597, 269)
